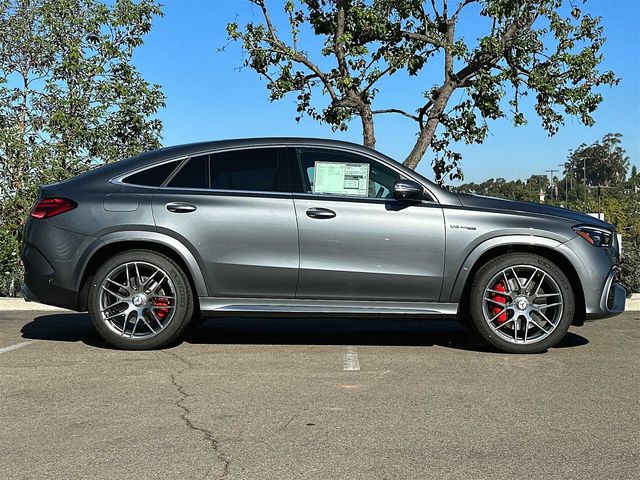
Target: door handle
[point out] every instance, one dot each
(320, 213)
(180, 207)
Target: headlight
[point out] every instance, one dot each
(595, 236)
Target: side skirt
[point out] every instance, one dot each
(212, 306)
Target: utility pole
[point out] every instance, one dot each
(566, 180)
(584, 177)
(551, 172)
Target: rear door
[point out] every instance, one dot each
(234, 211)
(356, 241)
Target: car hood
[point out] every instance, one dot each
(501, 204)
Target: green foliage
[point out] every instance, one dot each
(70, 98)
(630, 274)
(530, 49)
(10, 276)
(606, 161)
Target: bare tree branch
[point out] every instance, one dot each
(461, 6)
(296, 56)
(395, 110)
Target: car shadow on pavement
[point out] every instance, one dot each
(65, 327)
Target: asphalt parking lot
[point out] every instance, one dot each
(301, 398)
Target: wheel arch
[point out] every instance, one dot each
(115, 244)
(462, 286)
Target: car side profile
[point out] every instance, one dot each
(308, 227)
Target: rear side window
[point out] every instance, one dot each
(250, 170)
(193, 174)
(154, 176)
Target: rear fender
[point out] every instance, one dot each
(152, 237)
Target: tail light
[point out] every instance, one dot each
(50, 207)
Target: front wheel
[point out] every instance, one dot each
(521, 303)
(140, 300)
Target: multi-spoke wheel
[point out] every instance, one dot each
(139, 300)
(521, 303)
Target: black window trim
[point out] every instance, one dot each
(182, 165)
(283, 173)
(119, 180)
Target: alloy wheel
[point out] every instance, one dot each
(522, 304)
(137, 300)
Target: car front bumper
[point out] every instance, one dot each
(612, 300)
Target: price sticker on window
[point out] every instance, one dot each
(341, 178)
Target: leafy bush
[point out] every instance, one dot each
(630, 261)
(10, 269)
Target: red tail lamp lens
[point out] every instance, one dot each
(50, 207)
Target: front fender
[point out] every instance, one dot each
(456, 282)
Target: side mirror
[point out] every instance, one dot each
(408, 190)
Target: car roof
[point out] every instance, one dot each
(167, 153)
(191, 148)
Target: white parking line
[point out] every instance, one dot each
(351, 362)
(15, 347)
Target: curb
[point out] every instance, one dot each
(633, 303)
(20, 304)
(7, 303)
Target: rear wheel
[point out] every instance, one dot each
(521, 303)
(140, 300)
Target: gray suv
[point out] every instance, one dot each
(308, 227)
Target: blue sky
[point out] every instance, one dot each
(209, 97)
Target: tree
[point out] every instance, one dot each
(70, 98)
(529, 47)
(605, 160)
(634, 178)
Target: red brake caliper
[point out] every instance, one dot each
(161, 302)
(495, 309)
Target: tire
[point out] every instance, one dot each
(147, 310)
(521, 303)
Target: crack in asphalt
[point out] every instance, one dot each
(186, 413)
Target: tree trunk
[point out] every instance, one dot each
(368, 132)
(428, 131)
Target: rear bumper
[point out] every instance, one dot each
(50, 267)
(613, 298)
(39, 281)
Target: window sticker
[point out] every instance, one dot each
(341, 178)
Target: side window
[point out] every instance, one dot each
(154, 176)
(253, 169)
(334, 173)
(193, 174)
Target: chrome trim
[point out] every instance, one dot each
(308, 306)
(608, 284)
(354, 198)
(218, 191)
